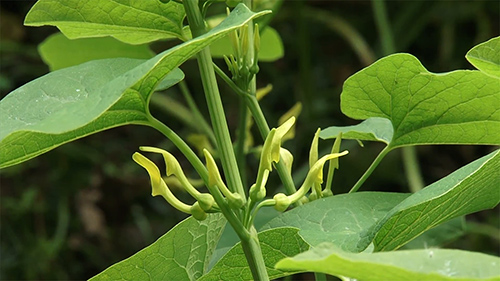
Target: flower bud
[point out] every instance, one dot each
(198, 212)
(282, 202)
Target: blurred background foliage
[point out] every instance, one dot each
(72, 212)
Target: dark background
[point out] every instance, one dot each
(72, 212)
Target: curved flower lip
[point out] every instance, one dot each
(159, 187)
(174, 168)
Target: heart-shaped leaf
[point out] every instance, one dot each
(134, 22)
(472, 188)
(182, 253)
(75, 102)
(459, 107)
(422, 265)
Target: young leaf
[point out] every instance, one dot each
(75, 102)
(134, 22)
(422, 265)
(57, 51)
(472, 188)
(181, 254)
(340, 219)
(486, 57)
(459, 107)
(276, 244)
(372, 129)
(271, 46)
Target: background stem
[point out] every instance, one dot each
(410, 159)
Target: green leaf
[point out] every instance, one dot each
(181, 254)
(459, 107)
(439, 236)
(134, 22)
(472, 188)
(276, 244)
(340, 219)
(75, 102)
(271, 46)
(422, 265)
(58, 52)
(372, 129)
(486, 57)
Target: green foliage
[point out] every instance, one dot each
(98, 95)
(340, 219)
(133, 22)
(425, 265)
(183, 253)
(486, 57)
(58, 52)
(470, 189)
(459, 107)
(400, 101)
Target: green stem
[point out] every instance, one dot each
(241, 134)
(383, 26)
(182, 146)
(370, 170)
(229, 82)
(216, 110)
(319, 276)
(412, 169)
(261, 122)
(410, 161)
(249, 239)
(253, 252)
(175, 109)
(200, 120)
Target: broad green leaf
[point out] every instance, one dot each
(339, 219)
(58, 52)
(181, 254)
(271, 46)
(276, 244)
(75, 102)
(134, 22)
(459, 107)
(372, 129)
(471, 188)
(439, 236)
(486, 57)
(422, 265)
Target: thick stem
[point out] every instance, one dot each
(216, 110)
(249, 239)
(253, 253)
(182, 146)
(370, 170)
(241, 134)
